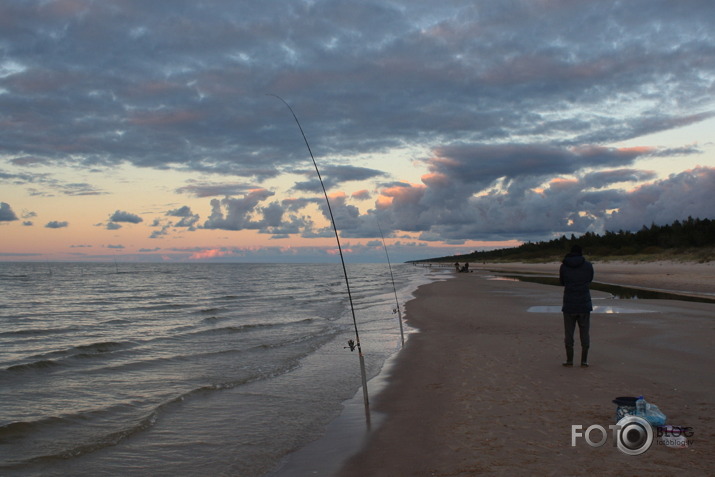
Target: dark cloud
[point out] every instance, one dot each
(184, 211)
(162, 232)
(688, 193)
(122, 216)
(188, 218)
(235, 213)
(45, 185)
(55, 224)
(519, 102)
(481, 165)
(6, 213)
(334, 176)
(213, 190)
(166, 84)
(606, 178)
(520, 210)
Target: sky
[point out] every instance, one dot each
(146, 131)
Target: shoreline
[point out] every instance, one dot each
(479, 389)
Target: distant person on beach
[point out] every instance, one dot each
(456, 266)
(465, 268)
(576, 274)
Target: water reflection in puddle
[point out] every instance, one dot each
(596, 309)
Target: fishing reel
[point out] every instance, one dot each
(351, 345)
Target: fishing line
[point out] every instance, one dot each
(394, 288)
(351, 345)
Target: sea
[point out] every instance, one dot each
(185, 369)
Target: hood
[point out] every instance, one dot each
(573, 260)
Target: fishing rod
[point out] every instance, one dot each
(397, 302)
(352, 345)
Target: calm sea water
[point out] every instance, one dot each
(182, 369)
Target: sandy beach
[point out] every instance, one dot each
(480, 390)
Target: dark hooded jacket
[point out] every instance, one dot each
(575, 274)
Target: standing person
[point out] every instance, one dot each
(575, 274)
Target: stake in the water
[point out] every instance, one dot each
(356, 344)
(394, 288)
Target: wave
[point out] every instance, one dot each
(101, 347)
(38, 331)
(211, 310)
(228, 297)
(241, 328)
(41, 429)
(80, 351)
(212, 319)
(159, 307)
(35, 365)
(15, 430)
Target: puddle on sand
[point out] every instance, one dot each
(596, 309)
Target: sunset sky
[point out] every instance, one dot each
(143, 131)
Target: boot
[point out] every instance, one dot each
(584, 357)
(569, 356)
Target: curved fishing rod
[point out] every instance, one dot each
(342, 260)
(394, 288)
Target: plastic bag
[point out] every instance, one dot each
(654, 415)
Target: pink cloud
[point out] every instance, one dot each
(212, 253)
(361, 194)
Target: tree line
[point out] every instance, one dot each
(680, 236)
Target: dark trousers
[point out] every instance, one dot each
(584, 321)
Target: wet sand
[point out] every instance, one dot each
(480, 390)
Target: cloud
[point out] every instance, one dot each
(47, 186)
(209, 254)
(161, 232)
(56, 224)
(448, 71)
(688, 193)
(188, 218)
(235, 213)
(121, 216)
(517, 105)
(184, 211)
(213, 190)
(363, 194)
(6, 213)
(528, 210)
(607, 178)
(334, 176)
